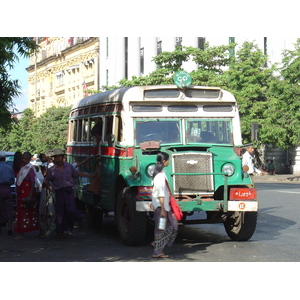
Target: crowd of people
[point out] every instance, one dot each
(59, 178)
(30, 214)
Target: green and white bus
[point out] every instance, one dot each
(199, 127)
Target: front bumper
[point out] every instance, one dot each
(217, 205)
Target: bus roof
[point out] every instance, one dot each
(116, 95)
(104, 97)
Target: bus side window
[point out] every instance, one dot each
(108, 126)
(85, 130)
(74, 132)
(71, 131)
(79, 130)
(96, 130)
(118, 129)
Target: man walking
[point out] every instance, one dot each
(60, 178)
(7, 178)
(249, 161)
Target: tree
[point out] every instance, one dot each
(10, 50)
(281, 125)
(37, 135)
(211, 61)
(51, 130)
(248, 78)
(291, 64)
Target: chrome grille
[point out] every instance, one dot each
(192, 163)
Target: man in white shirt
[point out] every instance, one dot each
(249, 161)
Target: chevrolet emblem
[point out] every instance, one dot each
(192, 162)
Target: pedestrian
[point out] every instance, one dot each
(18, 164)
(162, 209)
(26, 219)
(7, 178)
(265, 166)
(248, 161)
(60, 178)
(43, 217)
(271, 168)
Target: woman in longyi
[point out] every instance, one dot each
(162, 208)
(26, 219)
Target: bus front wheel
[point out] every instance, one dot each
(240, 226)
(131, 224)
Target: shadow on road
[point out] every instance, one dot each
(269, 226)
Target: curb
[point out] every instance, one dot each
(288, 178)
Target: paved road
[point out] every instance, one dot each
(275, 239)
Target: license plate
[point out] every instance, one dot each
(242, 205)
(240, 194)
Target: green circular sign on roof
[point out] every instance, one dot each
(182, 79)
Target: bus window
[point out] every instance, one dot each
(71, 130)
(166, 132)
(209, 131)
(108, 126)
(118, 129)
(85, 128)
(74, 131)
(79, 130)
(97, 125)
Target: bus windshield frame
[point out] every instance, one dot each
(164, 130)
(168, 131)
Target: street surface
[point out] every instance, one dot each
(276, 238)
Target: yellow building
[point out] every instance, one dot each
(61, 71)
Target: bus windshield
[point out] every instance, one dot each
(209, 131)
(164, 131)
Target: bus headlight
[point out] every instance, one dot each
(228, 168)
(150, 170)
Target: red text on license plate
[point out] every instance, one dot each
(242, 194)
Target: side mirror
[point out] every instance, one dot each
(245, 168)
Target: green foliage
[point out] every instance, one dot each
(272, 101)
(291, 64)
(248, 79)
(262, 97)
(52, 129)
(280, 121)
(210, 60)
(37, 134)
(10, 50)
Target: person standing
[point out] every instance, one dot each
(162, 209)
(26, 219)
(248, 161)
(61, 178)
(18, 164)
(43, 217)
(7, 178)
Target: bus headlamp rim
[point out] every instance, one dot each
(150, 170)
(228, 168)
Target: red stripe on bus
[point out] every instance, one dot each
(80, 150)
(105, 150)
(111, 151)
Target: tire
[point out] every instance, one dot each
(240, 226)
(132, 225)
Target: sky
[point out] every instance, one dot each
(217, 18)
(19, 72)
